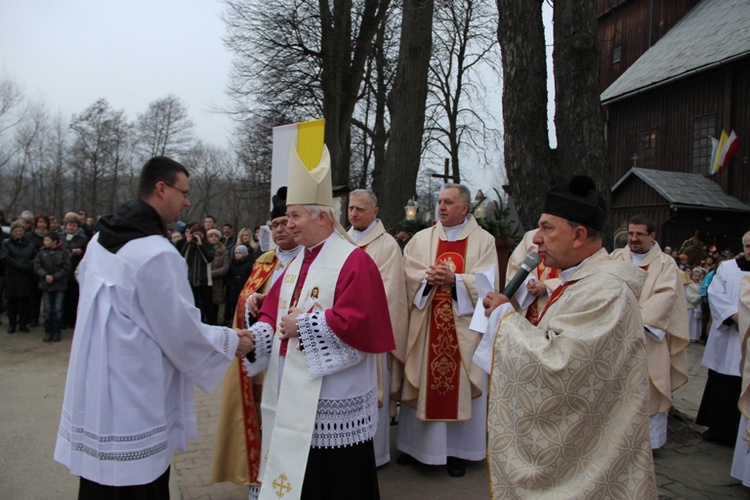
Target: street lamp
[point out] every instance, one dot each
(479, 207)
(410, 209)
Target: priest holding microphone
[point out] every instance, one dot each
(567, 408)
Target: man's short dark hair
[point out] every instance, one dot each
(226, 224)
(640, 220)
(158, 168)
(210, 217)
(590, 231)
(53, 235)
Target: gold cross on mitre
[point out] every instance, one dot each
(281, 485)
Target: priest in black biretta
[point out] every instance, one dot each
(578, 201)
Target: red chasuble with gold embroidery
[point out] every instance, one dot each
(444, 356)
(238, 444)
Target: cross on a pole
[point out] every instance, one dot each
(447, 175)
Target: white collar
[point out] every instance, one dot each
(568, 273)
(451, 233)
(637, 258)
(288, 255)
(358, 235)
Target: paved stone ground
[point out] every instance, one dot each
(32, 379)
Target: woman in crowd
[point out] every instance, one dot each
(199, 254)
(74, 242)
(39, 228)
(219, 269)
(17, 254)
(245, 237)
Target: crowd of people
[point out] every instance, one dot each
(38, 266)
(563, 385)
(38, 262)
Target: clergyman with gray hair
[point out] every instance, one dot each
(444, 397)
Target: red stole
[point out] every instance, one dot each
(251, 427)
(443, 353)
(554, 298)
(262, 271)
(250, 392)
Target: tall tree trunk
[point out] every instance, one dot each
(531, 165)
(380, 133)
(528, 158)
(343, 65)
(407, 108)
(580, 130)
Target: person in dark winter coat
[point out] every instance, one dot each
(199, 254)
(52, 266)
(39, 228)
(17, 254)
(219, 269)
(75, 243)
(239, 271)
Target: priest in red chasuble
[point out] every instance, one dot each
(567, 412)
(318, 335)
(443, 407)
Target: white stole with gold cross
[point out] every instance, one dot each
(289, 412)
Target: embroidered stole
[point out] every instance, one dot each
(443, 353)
(289, 408)
(250, 391)
(554, 298)
(262, 271)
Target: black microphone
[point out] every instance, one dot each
(530, 262)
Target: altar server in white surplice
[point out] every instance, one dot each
(139, 346)
(718, 409)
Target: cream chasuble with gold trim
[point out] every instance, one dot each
(420, 253)
(567, 413)
(663, 306)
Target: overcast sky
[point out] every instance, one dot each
(69, 53)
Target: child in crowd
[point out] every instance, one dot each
(52, 266)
